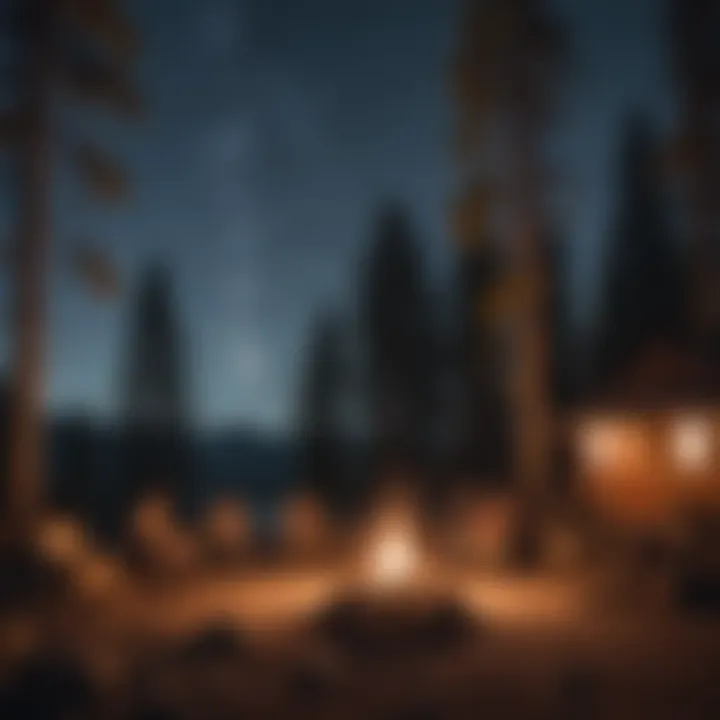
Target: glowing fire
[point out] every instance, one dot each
(393, 554)
(395, 558)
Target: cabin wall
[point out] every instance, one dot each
(648, 469)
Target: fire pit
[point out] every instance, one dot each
(388, 628)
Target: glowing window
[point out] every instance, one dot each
(600, 446)
(692, 444)
(614, 446)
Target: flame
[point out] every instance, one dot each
(395, 558)
(393, 553)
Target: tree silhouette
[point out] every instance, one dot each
(320, 416)
(564, 383)
(563, 342)
(73, 488)
(156, 446)
(642, 294)
(505, 79)
(483, 432)
(4, 441)
(400, 353)
(695, 153)
(78, 49)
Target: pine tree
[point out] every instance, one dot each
(483, 445)
(642, 295)
(400, 352)
(505, 80)
(156, 443)
(320, 417)
(65, 49)
(73, 488)
(695, 28)
(563, 384)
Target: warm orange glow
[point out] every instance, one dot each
(18, 637)
(692, 444)
(393, 549)
(98, 576)
(613, 447)
(156, 531)
(305, 524)
(61, 540)
(153, 522)
(625, 470)
(481, 527)
(598, 446)
(227, 526)
(563, 547)
(518, 601)
(394, 558)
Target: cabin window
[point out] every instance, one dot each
(691, 444)
(613, 447)
(599, 446)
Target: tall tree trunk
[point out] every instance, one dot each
(703, 236)
(26, 455)
(530, 376)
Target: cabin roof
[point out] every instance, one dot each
(662, 376)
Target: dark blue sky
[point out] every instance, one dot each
(275, 128)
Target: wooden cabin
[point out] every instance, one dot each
(647, 450)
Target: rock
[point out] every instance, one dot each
(219, 641)
(49, 687)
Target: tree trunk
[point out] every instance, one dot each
(703, 221)
(530, 376)
(26, 455)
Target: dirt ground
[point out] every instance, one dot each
(263, 647)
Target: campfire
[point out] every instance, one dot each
(392, 554)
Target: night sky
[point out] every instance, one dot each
(274, 129)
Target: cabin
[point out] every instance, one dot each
(647, 449)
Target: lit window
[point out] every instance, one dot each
(692, 441)
(618, 446)
(600, 446)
